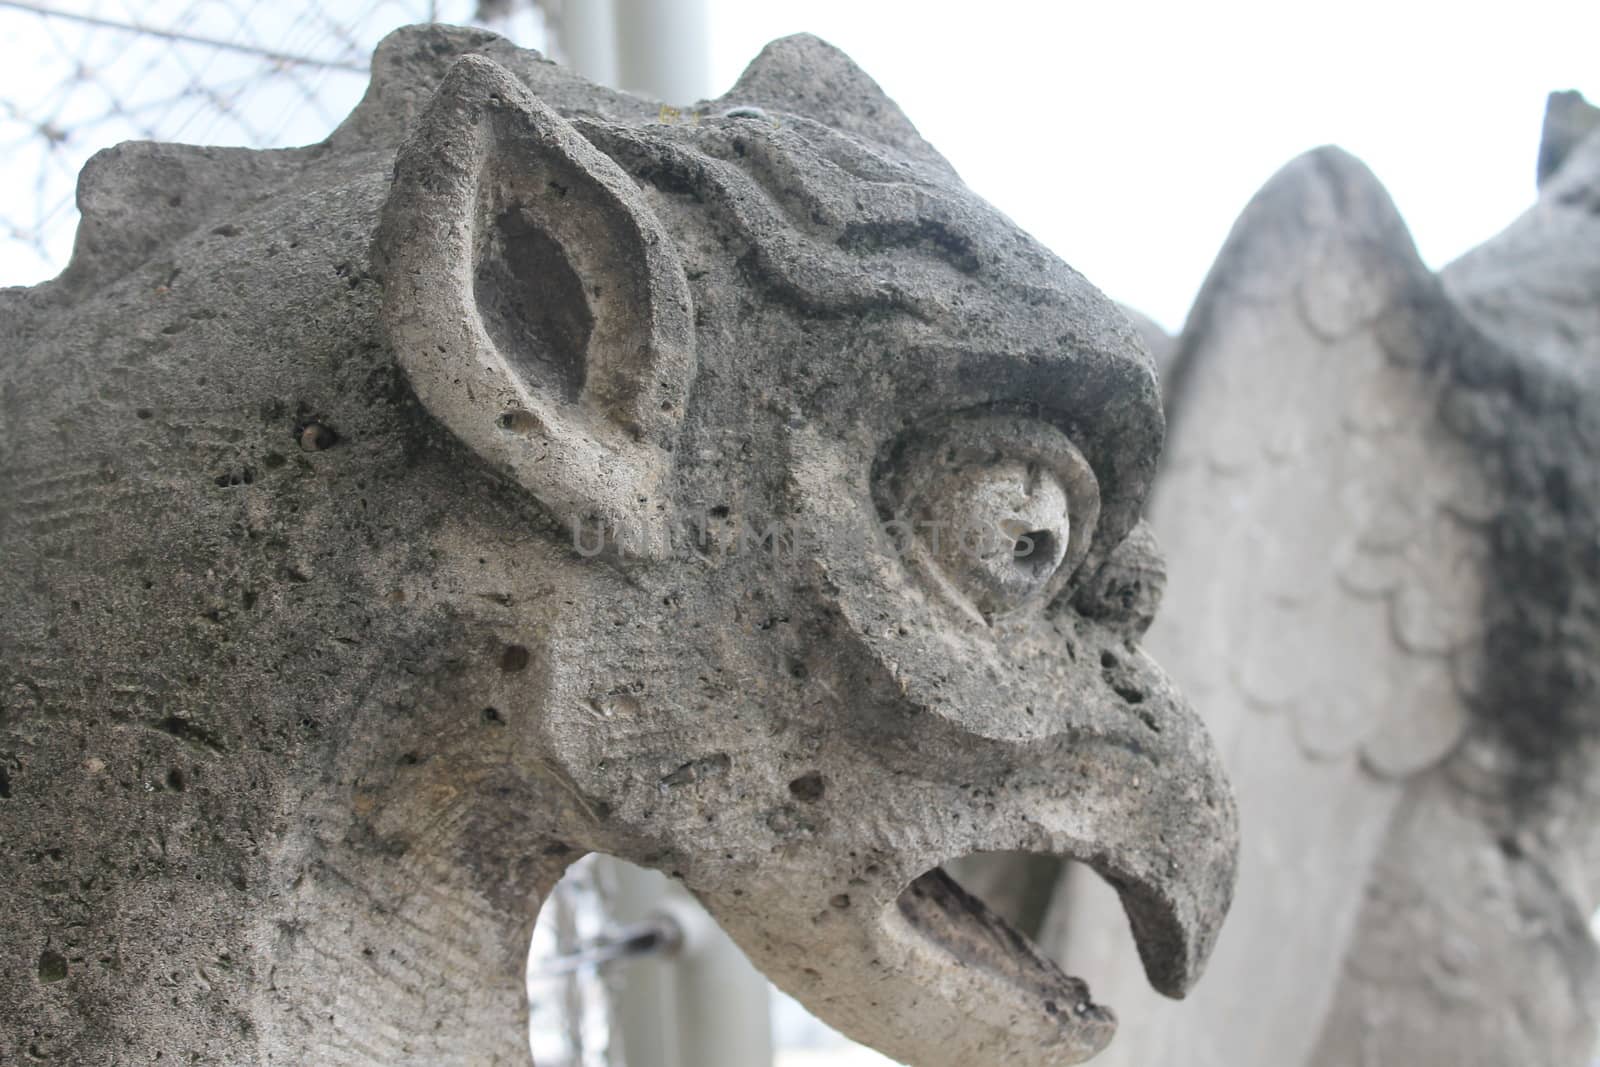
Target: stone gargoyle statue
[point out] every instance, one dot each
(1382, 503)
(375, 526)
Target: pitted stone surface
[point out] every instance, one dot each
(391, 521)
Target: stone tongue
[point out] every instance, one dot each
(963, 925)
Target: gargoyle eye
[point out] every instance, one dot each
(998, 530)
(996, 510)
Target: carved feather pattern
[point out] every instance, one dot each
(1328, 538)
(1380, 508)
(1311, 460)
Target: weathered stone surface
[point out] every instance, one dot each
(1569, 119)
(1533, 287)
(389, 522)
(1381, 503)
(1162, 345)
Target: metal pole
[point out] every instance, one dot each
(664, 49)
(705, 1006)
(586, 31)
(724, 1004)
(645, 1006)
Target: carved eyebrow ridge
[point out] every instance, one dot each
(824, 266)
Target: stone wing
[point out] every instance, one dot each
(1327, 538)
(1474, 944)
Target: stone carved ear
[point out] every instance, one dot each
(535, 301)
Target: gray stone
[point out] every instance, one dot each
(1533, 286)
(1381, 502)
(1568, 121)
(1162, 345)
(527, 471)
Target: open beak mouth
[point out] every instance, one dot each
(933, 974)
(966, 928)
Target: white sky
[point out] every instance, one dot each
(1128, 136)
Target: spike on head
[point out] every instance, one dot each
(806, 76)
(1568, 120)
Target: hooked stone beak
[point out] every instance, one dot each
(926, 972)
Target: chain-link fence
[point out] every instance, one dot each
(82, 75)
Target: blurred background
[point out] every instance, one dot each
(1126, 136)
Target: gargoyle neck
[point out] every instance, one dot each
(401, 937)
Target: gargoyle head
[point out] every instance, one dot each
(844, 576)
(730, 491)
